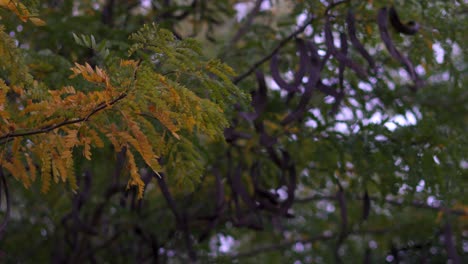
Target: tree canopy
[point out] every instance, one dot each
(263, 131)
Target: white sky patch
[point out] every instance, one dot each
(289, 76)
(456, 50)
(330, 208)
(420, 70)
(242, 9)
(226, 243)
(265, 5)
(372, 103)
(376, 118)
(420, 186)
(365, 86)
(398, 161)
(300, 20)
(345, 114)
(404, 188)
(336, 39)
(353, 102)
(282, 192)
(381, 138)
(417, 113)
(464, 164)
(298, 247)
(145, 3)
(319, 39)
(311, 123)
(431, 200)
(403, 74)
(390, 126)
(341, 127)
(441, 77)
(318, 115)
(329, 99)
(271, 83)
(410, 118)
(401, 120)
(439, 52)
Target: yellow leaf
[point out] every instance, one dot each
(37, 21)
(19, 9)
(31, 166)
(86, 148)
(135, 179)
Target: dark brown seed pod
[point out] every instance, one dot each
(351, 24)
(409, 28)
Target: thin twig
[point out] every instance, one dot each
(280, 45)
(286, 244)
(248, 21)
(416, 203)
(101, 106)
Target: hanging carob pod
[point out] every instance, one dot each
(449, 244)
(341, 69)
(250, 218)
(220, 205)
(342, 58)
(366, 206)
(294, 86)
(259, 99)
(180, 215)
(291, 183)
(340, 197)
(313, 78)
(409, 28)
(4, 189)
(268, 142)
(342, 66)
(351, 25)
(382, 20)
(267, 200)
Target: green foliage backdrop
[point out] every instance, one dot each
(263, 131)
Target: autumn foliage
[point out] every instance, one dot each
(126, 103)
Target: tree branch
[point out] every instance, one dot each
(286, 244)
(280, 45)
(6, 137)
(248, 21)
(415, 203)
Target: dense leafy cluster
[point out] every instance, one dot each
(135, 101)
(351, 148)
